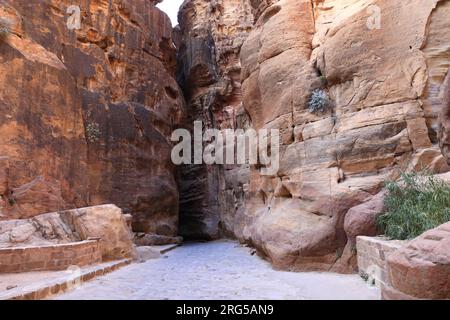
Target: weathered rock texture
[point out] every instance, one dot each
(384, 84)
(105, 222)
(372, 254)
(444, 120)
(212, 33)
(421, 269)
(54, 257)
(86, 115)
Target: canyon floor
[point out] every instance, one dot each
(218, 270)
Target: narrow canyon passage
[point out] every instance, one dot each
(218, 270)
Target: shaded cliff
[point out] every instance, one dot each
(211, 35)
(86, 115)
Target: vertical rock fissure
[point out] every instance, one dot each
(211, 34)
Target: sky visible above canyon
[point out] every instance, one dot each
(171, 8)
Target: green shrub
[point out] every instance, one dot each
(319, 101)
(417, 202)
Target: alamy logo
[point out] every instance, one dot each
(374, 20)
(74, 20)
(229, 146)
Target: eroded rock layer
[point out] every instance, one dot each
(86, 115)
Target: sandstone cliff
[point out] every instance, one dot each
(383, 82)
(86, 115)
(381, 63)
(211, 35)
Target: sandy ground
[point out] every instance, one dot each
(218, 270)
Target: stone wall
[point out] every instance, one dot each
(50, 258)
(372, 257)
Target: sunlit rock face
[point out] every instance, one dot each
(211, 35)
(86, 115)
(384, 83)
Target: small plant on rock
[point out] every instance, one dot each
(414, 204)
(319, 101)
(93, 132)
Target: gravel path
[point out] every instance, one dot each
(218, 270)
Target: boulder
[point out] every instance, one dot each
(421, 269)
(362, 219)
(105, 222)
(147, 239)
(145, 253)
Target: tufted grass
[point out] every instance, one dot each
(417, 202)
(319, 101)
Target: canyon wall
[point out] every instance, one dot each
(86, 115)
(381, 64)
(382, 74)
(211, 35)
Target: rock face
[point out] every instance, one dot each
(382, 117)
(212, 33)
(421, 269)
(382, 65)
(444, 132)
(87, 114)
(105, 222)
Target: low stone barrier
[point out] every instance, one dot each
(372, 257)
(50, 258)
